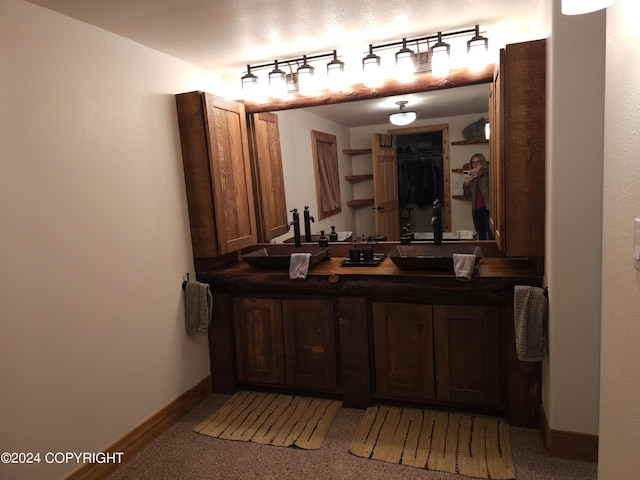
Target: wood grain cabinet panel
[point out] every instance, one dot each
(268, 176)
(468, 355)
(286, 342)
(517, 149)
(215, 154)
(403, 345)
(259, 340)
(310, 343)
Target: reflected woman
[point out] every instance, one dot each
(476, 187)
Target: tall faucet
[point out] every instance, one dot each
(296, 227)
(436, 222)
(307, 224)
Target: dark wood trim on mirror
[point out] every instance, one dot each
(423, 83)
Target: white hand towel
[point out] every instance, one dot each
(530, 310)
(299, 265)
(463, 265)
(198, 305)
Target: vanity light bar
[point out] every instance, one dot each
(404, 60)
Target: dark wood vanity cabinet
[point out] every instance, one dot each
(287, 342)
(517, 149)
(446, 353)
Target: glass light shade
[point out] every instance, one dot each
(402, 117)
(335, 74)
(405, 68)
(306, 82)
(440, 58)
(579, 7)
(487, 131)
(249, 86)
(277, 83)
(371, 69)
(478, 48)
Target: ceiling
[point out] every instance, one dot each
(225, 35)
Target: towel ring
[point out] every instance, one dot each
(184, 283)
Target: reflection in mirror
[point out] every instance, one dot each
(352, 124)
(325, 169)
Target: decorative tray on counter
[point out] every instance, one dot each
(377, 258)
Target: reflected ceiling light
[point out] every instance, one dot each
(487, 131)
(405, 67)
(578, 7)
(306, 83)
(277, 82)
(371, 69)
(478, 48)
(402, 117)
(249, 86)
(335, 74)
(440, 53)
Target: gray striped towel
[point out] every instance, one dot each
(530, 311)
(198, 305)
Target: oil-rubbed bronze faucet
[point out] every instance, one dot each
(307, 224)
(436, 222)
(296, 227)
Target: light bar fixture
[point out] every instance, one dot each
(335, 74)
(371, 69)
(374, 74)
(306, 83)
(402, 117)
(440, 53)
(579, 7)
(478, 48)
(405, 67)
(250, 86)
(277, 82)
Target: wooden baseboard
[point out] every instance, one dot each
(133, 441)
(570, 445)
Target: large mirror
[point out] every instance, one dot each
(428, 148)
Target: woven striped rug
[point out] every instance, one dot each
(474, 446)
(272, 419)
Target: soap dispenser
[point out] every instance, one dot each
(333, 236)
(354, 252)
(323, 242)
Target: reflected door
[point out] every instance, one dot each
(385, 186)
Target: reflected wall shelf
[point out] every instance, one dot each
(358, 178)
(357, 151)
(471, 141)
(358, 202)
(361, 202)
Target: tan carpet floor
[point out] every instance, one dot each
(180, 453)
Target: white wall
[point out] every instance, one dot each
(620, 364)
(575, 125)
(95, 238)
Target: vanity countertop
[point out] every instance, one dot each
(492, 282)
